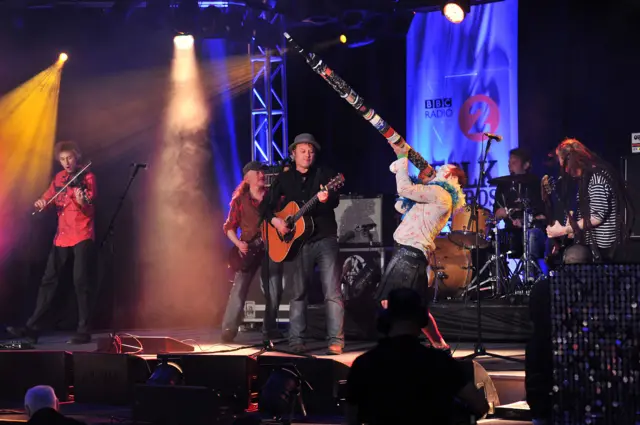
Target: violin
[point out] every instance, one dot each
(75, 181)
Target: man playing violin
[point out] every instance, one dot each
(74, 241)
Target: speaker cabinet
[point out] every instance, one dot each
(595, 322)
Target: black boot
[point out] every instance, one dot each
(31, 335)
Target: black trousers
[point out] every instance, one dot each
(82, 255)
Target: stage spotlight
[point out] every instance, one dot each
(183, 41)
(63, 57)
(343, 38)
(455, 11)
(167, 373)
(281, 391)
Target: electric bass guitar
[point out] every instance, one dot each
(301, 226)
(238, 262)
(556, 212)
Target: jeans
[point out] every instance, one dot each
(407, 269)
(537, 245)
(82, 255)
(324, 253)
(272, 289)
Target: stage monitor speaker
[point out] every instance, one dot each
(595, 324)
(179, 405)
(324, 376)
(231, 376)
(21, 370)
(102, 378)
(366, 221)
(631, 174)
(143, 345)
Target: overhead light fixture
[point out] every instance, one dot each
(455, 11)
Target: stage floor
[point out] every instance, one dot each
(507, 376)
(250, 341)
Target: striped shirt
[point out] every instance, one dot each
(603, 205)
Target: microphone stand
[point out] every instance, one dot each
(478, 348)
(107, 238)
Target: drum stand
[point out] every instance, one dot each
(478, 348)
(526, 264)
(499, 275)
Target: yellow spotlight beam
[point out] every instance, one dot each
(28, 116)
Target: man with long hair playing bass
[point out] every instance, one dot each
(426, 205)
(245, 215)
(602, 202)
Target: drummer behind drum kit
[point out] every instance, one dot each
(451, 264)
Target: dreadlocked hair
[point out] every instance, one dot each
(577, 156)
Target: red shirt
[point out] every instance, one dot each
(244, 215)
(75, 221)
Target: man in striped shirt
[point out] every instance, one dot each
(601, 197)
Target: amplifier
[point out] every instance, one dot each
(360, 268)
(631, 174)
(366, 221)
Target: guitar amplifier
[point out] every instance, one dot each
(360, 271)
(631, 174)
(366, 222)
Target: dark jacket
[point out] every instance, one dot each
(48, 416)
(292, 185)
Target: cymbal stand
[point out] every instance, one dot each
(497, 275)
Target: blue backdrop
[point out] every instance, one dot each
(461, 82)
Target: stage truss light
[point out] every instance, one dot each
(456, 11)
(343, 38)
(183, 41)
(63, 57)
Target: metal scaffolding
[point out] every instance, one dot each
(269, 141)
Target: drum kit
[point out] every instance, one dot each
(451, 264)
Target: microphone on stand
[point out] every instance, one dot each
(493, 137)
(139, 165)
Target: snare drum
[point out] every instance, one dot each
(449, 267)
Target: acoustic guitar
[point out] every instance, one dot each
(301, 226)
(246, 262)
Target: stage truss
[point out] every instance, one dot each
(269, 141)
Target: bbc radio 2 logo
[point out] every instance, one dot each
(438, 108)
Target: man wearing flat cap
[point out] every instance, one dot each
(244, 214)
(301, 183)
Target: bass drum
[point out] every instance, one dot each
(450, 267)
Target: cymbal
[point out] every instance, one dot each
(515, 178)
(467, 240)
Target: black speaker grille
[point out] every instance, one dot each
(596, 334)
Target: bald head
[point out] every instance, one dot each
(40, 397)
